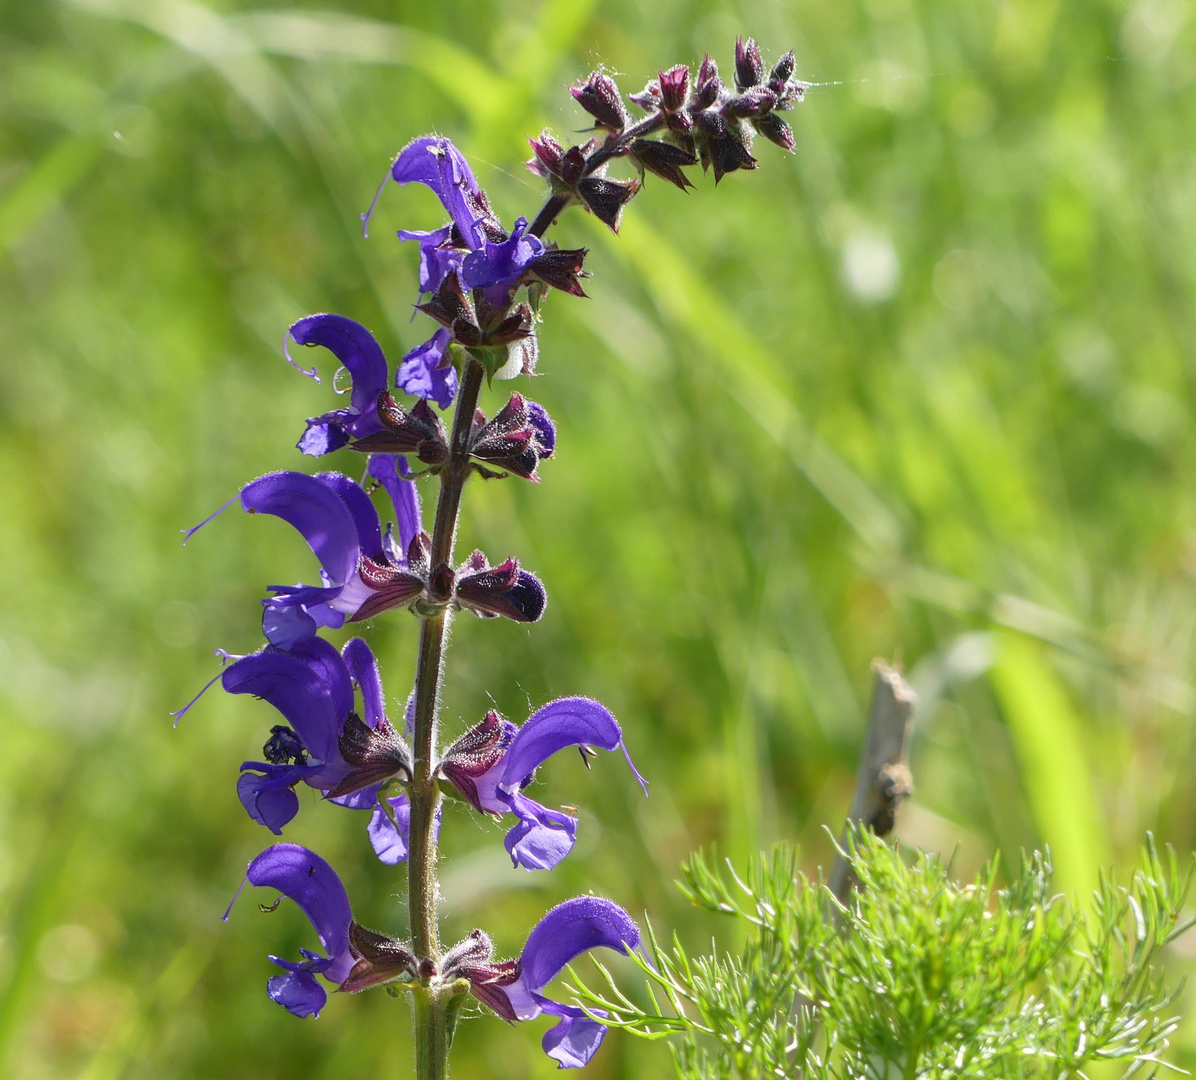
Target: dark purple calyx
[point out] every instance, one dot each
(552, 160)
(664, 160)
(420, 432)
(452, 308)
(519, 437)
(500, 590)
(749, 66)
(387, 586)
(559, 268)
(381, 960)
(472, 959)
(606, 198)
(374, 755)
(476, 753)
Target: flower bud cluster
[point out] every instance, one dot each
(696, 118)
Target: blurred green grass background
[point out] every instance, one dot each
(924, 390)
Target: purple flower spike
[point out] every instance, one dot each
(302, 876)
(493, 762)
(354, 346)
(424, 373)
(567, 931)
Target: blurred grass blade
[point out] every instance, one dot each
(1048, 741)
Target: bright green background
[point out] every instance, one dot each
(924, 389)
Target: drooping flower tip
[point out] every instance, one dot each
(500, 590)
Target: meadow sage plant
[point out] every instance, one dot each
(483, 286)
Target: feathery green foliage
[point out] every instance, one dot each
(915, 975)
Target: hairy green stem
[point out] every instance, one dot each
(431, 1038)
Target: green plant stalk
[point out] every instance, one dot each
(431, 1026)
(431, 1034)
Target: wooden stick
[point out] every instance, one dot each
(884, 781)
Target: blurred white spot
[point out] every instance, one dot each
(958, 279)
(1152, 25)
(136, 133)
(177, 624)
(68, 953)
(870, 266)
(1153, 415)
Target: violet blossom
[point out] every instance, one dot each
(311, 685)
(473, 247)
(301, 875)
(359, 353)
(513, 988)
(493, 763)
(340, 524)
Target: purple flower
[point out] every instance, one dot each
(354, 346)
(492, 763)
(363, 572)
(302, 876)
(425, 372)
(474, 242)
(474, 246)
(311, 685)
(512, 989)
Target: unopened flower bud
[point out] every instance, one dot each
(649, 97)
(749, 67)
(776, 130)
(783, 71)
(709, 84)
(573, 165)
(754, 102)
(600, 97)
(674, 88)
(548, 155)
